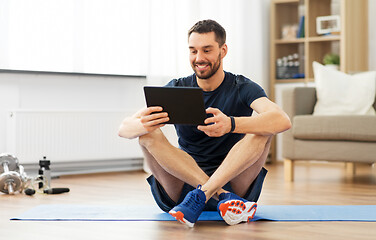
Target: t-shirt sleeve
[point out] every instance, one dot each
(250, 91)
(171, 83)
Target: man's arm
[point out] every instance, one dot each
(271, 119)
(142, 122)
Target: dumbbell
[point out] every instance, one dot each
(10, 179)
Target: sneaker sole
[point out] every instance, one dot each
(236, 211)
(179, 216)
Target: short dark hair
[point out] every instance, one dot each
(207, 26)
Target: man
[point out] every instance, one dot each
(224, 159)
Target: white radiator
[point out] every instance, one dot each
(69, 136)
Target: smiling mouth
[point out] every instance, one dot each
(202, 66)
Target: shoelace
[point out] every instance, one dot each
(194, 202)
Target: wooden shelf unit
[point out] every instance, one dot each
(351, 43)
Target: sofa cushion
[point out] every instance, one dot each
(344, 128)
(339, 93)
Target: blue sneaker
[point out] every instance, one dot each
(190, 209)
(234, 209)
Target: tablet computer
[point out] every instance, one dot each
(184, 105)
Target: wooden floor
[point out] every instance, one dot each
(315, 184)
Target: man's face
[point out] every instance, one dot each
(205, 54)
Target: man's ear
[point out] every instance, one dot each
(224, 49)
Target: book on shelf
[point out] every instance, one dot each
(300, 33)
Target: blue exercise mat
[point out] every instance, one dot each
(365, 213)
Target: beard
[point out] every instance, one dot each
(213, 68)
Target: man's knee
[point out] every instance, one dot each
(151, 138)
(259, 141)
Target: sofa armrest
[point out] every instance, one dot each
(296, 101)
(299, 101)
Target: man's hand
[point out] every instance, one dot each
(143, 122)
(219, 124)
(152, 118)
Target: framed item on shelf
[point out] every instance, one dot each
(289, 31)
(328, 24)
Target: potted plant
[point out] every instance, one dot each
(331, 60)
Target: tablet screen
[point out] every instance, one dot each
(184, 105)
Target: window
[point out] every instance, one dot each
(84, 36)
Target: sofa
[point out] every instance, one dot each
(341, 138)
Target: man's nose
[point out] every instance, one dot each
(200, 56)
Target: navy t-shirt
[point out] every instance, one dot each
(233, 97)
